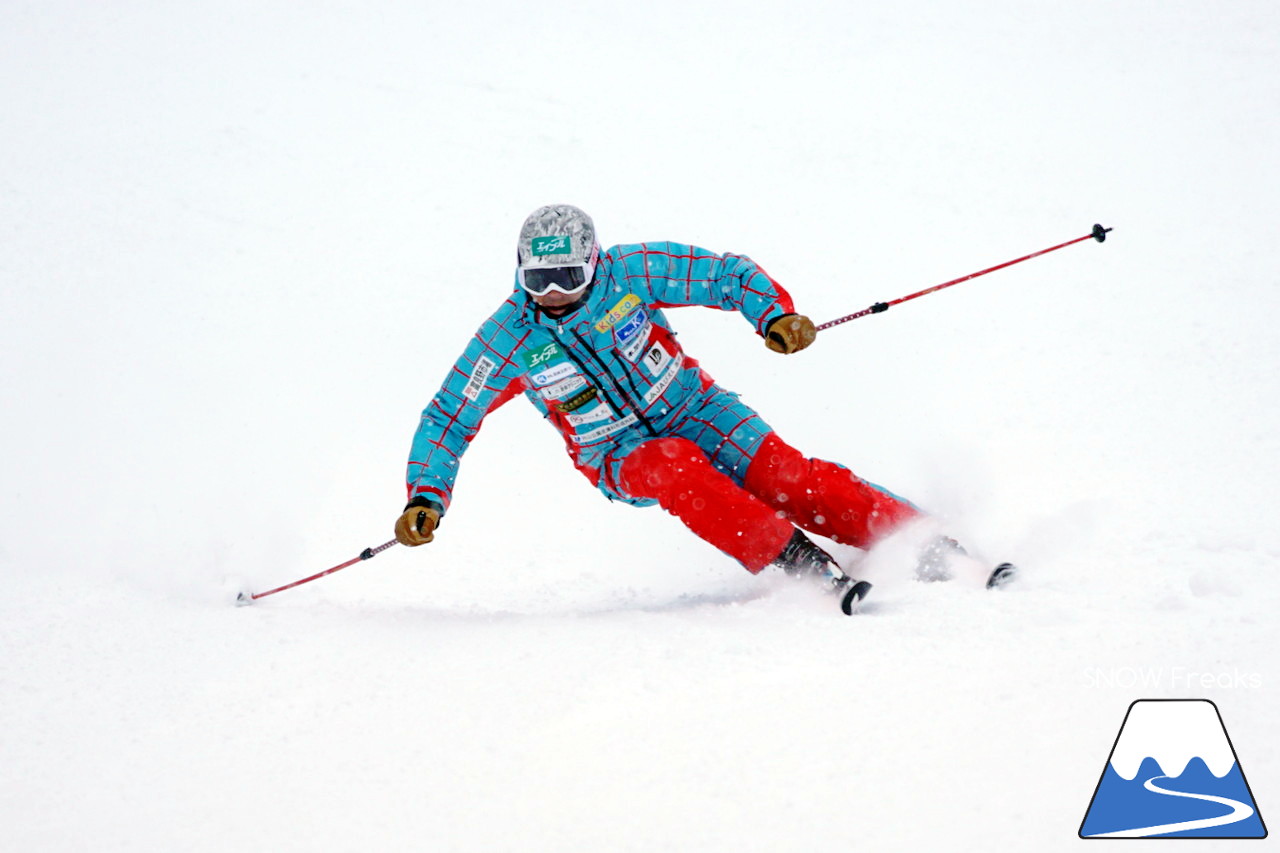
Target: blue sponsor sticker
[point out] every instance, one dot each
(628, 329)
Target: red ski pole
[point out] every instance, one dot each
(1099, 233)
(246, 597)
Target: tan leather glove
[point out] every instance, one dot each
(790, 333)
(417, 524)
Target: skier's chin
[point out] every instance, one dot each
(558, 303)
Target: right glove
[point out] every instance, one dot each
(790, 333)
(417, 524)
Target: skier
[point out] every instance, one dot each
(583, 335)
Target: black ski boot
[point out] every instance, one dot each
(801, 558)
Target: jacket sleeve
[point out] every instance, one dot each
(480, 381)
(676, 274)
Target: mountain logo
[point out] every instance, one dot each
(1172, 773)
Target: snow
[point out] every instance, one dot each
(243, 242)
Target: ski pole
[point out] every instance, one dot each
(246, 597)
(1099, 233)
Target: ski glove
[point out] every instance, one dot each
(790, 333)
(417, 524)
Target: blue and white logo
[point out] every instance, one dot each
(1173, 773)
(630, 334)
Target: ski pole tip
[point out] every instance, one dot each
(244, 599)
(1100, 233)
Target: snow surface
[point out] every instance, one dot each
(242, 242)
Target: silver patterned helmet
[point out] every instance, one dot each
(557, 250)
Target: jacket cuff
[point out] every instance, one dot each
(768, 324)
(426, 503)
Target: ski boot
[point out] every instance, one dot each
(801, 558)
(934, 563)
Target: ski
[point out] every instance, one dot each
(1002, 575)
(852, 598)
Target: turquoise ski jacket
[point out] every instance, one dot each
(608, 375)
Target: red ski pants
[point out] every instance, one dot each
(752, 521)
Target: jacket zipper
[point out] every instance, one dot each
(613, 380)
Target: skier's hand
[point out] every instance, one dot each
(790, 333)
(417, 524)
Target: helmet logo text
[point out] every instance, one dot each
(555, 245)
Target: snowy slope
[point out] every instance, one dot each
(243, 242)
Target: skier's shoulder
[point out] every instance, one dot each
(652, 247)
(652, 257)
(504, 327)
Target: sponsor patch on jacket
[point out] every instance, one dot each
(631, 334)
(551, 374)
(541, 355)
(605, 431)
(484, 367)
(563, 388)
(601, 412)
(624, 306)
(664, 381)
(656, 358)
(577, 401)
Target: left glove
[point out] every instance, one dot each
(417, 524)
(790, 333)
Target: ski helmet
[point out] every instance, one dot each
(557, 249)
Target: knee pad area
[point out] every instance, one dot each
(785, 478)
(778, 468)
(680, 477)
(655, 467)
(822, 497)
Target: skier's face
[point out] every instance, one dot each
(554, 299)
(558, 288)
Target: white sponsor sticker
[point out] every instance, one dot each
(633, 349)
(563, 388)
(484, 367)
(605, 431)
(673, 368)
(655, 360)
(552, 374)
(601, 412)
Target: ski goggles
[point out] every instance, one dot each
(567, 280)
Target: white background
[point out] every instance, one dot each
(241, 243)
